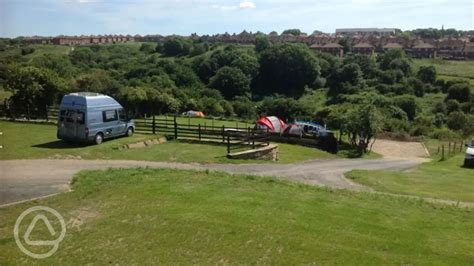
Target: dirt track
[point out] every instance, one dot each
(28, 179)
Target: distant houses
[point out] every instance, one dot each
(365, 41)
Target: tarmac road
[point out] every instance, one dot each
(22, 180)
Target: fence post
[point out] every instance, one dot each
(248, 135)
(442, 152)
(449, 147)
(189, 122)
(438, 149)
(228, 144)
(199, 131)
(223, 133)
(253, 139)
(47, 110)
(454, 147)
(175, 128)
(268, 137)
(460, 147)
(153, 124)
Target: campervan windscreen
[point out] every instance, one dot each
(72, 116)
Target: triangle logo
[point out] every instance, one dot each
(30, 228)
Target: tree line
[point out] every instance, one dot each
(359, 95)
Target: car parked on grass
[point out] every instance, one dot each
(469, 156)
(92, 117)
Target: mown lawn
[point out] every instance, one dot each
(27, 141)
(150, 216)
(442, 180)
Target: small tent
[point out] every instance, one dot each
(272, 123)
(193, 114)
(293, 130)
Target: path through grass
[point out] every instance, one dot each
(145, 216)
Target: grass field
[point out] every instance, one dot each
(442, 180)
(206, 121)
(145, 216)
(27, 141)
(464, 69)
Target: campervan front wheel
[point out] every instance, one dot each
(98, 138)
(130, 132)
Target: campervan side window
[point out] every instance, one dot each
(109, 115)
(122, 115)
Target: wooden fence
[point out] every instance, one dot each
(48, 115)
(234, 139)
(450, 149)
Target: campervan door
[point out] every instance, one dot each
(71, 121)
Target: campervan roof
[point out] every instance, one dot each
(88, 99)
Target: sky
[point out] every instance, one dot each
(183, 17)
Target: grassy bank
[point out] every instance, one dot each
(144, 216)
(28, 141)
(443, 180)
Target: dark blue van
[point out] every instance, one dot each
(92, 117)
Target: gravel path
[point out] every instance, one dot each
(28, 179)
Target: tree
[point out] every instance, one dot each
(456, 120)
(248, 64)
(175, 46)
(282, 107)
(287, 69)
(295, 32)
(262, 42)
(34, 89)
(408, 104)
(231, 82)
(362, 123)
(366, 64)
(460, 92)
(346, 80)
(402, 64)
(388, 56)
(244, 107)
(147, 48)
(96, 81)
(55, 62)
(427, 74)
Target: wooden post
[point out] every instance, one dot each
(47, 110)
(454, 147)
(153, 124)
(442, 152)
(248, 135)
(268, 137)
(228, 144)
(449, 147)
(253, 139)
(438, 149)
(223, 133)
(199, 131)
(189, 122)
(175, 128)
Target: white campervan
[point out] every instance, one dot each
(469, 157)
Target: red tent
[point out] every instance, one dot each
(272, 123)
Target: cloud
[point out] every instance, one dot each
(246, 4)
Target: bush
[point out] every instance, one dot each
(444, 134)
(27, 50)
(457, 120)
